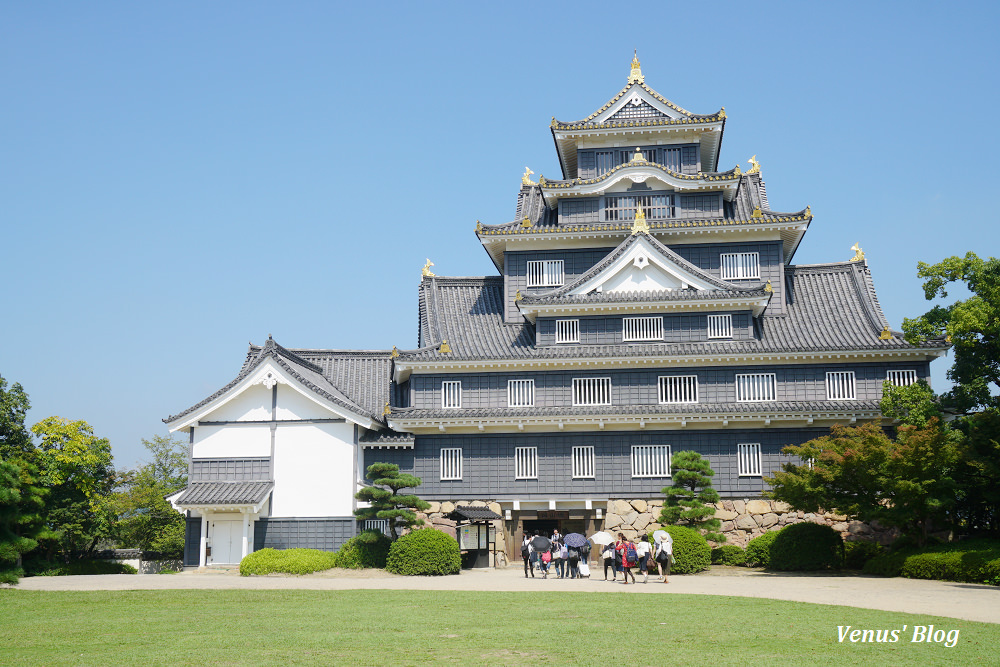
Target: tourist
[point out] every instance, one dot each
(626, 551)
(642, 550)
(526, 551)
(663, 554)
(608, 554)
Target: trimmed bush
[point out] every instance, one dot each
(369, 549)
(856, 554)
(424, 551)
(78, 567)
(287, 561)
(759, 549)
(806, 546)
(691, 551)
(886, 564)
(971, 561)
(729, 554)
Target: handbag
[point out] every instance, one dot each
(546, 556)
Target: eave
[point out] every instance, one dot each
(756, 304)
(402, 369)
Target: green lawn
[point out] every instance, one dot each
(469, 628)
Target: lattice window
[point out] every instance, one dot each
(520, 393)
(451, 463)
(840, 386)
(606, 161)
(637, 109)
(545, 273)
(901, 378)
(451, 394)
(720, 326)
(567, 331)
(526, 462)
(740, 265)
(748, 455)
(678, 388)
(623, 207)
(755, 387)
(377, 525)
(651, 460)
(642, 328)
(583, 462)
(591, 391)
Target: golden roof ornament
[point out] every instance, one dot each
(886, 334)
(635, 75)
(640, 225)
(767, 287)
(394, 353)
(757, 213)
(809, 211)
(479, 226)
(638, 156)
(859, 254)
(526, 222)
(386, 411)
(526, 179)
(518, 296)
(444, 348)
(754, 165)
(426, 271)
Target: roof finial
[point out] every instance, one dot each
(426, 271)
(635, 76)
(638, 156)
(886, 334)
(754, 165)
(859, 254)
(526, 179)
(640, 225)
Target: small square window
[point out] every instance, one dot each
(451, 394)
(567, 331)
(840, 386)
(650, 460)
(520, 393)
(901, 378)
(741, 266)
(583, 462)
(720, 326)
(451, 463)
(526, 463)
(749, 459)
(546, 273)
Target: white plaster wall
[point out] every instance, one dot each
(313, 470)
(293, 405)
(253, 404)
(233, 440)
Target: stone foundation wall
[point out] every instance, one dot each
(741, 520)
(435, 517)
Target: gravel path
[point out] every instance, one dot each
(938, 598)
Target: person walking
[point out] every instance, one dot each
(626, 550)
(663, 554)
(563, 556)
(526, 556)
(608, 554)
(642, 551)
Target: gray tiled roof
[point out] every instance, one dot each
(693, 409)
(355, 380)
(724, 289)
(386, 438)
(474, 513)
(831, 307)
(686, 116)
(225, 493)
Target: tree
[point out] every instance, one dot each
(978, 508)
(860, 471)
(913, 404)
(143, 517)
(14, 437)
(689, 500)
(20, 519)
(385, 501)
(75, 468)
(973, 326)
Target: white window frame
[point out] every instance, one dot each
(546, 272)
(451, 464)
(526, 463)
(720, 326)
(567, 331)
(583, 462)
(596, 390)
(451, 394)
(841, 386)
(740, 265)
(677, 389)
(520, 393)
(901, 378)
(637, 329)
(763, 387)
(748, 459)
(651, 461)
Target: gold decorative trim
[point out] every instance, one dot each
(426, 271)
(859, 254)
(386, 411)
(886, 334)
(525, 179)
(518, 296)
(768, 288)
(757, 213)
(635, 74)
(526, 222)
(394, 353)
(640, 226)
(479, 226)
(754, 165)
(444, 348)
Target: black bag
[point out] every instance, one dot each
(525, 551)
(662, 557)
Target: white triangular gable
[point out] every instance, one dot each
(249, 400)
(643, 268)
(636, 96)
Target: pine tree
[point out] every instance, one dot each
(686, 504)
(20, 519)
(385, 501)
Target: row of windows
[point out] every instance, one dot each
(750, 388)
(735, 266)
(646, 461)
(646, 328)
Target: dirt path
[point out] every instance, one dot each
(938, 598)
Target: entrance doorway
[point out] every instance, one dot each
(227, 542)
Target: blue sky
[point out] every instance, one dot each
(179, 179)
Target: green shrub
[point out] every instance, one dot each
(729, 554)
(691, 551)
(856, 554)
(806, 546)
(288, 561)
(369, 549)
(886, 564)
(971, 561)
(78, 567)
(759, 549)
(424, 551)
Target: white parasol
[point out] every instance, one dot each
(602, 537)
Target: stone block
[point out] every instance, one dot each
(642, 521)
(639, 505)
(477, 503)
(840, 527)
(739, 507)
(836, 517)
(629, 533)
(495, 507)
(612, 521)
(619, 507)
(727, 526)
(725, 515)
(434, 508)
(746, 522)
(727, 505)
(629, 519)
(858, 528)
(780, 506)
(758, 507)
(768, 520)
(447, 507)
